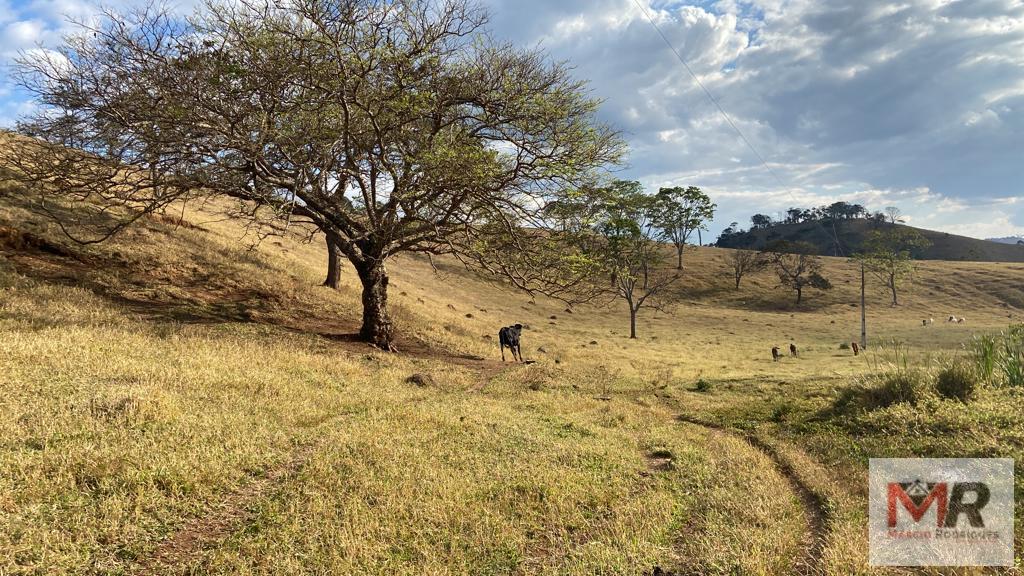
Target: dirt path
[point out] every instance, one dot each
(183, 547)
(814, 506)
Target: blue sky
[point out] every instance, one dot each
(918, 104)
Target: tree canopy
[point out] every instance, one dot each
(391, 125)
(888, 255)
(797, 266)
(627, 249)
(681, 212)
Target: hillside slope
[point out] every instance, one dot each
(851, 235)
(179, 400)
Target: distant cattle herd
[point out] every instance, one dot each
(509, 337)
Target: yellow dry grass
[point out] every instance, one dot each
(174, 385)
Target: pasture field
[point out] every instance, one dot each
(176, 401)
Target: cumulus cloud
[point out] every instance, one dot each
(842, 99)
(918, 103)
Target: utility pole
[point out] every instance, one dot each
(863, 312)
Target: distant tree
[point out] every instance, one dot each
(760, 221)
(680, 212)
(731, 229)
(628, 250)
(894, 215)
(837, 210)
(794, 215)
(797, 266)
(744, 262)
(888, 255)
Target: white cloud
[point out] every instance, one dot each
(918, 103)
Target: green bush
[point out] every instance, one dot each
(844, 346)
(702, 386)
(957, 382)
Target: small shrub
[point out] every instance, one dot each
(897, 387)
(900, 388)
(957, 382)
(844, 346)
(781, 411)
(702, 386)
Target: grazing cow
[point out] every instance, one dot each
(856, 348)
(775, 353)
(792, 350)
(509, 336)
(960, 320)
(951, 319)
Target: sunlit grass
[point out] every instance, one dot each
(140, 392)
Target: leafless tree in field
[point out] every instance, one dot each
(745, 262)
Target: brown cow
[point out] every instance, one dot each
(792, 350)
(856, 348)
(775, 353)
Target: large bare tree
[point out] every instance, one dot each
(390, 125)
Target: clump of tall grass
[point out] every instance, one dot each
(894, 381)
(999, 358)
(885, 389)
(958, 381)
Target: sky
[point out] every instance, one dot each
(917, 104)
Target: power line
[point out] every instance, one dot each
(728, 119)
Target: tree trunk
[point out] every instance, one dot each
(679, 256)
(738, 277)
(892, 287)
(333, 264)
(700, 241)
(632, 322)
(377, 327)
(799, 294)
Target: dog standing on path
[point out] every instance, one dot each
(509, 336)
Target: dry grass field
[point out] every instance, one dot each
(177, 401)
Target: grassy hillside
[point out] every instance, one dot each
(851, 234)
(178, 401)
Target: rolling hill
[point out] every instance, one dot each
(182, 400)
(851, 234)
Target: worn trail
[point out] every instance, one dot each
(814, 505)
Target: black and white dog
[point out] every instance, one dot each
(509, 336)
